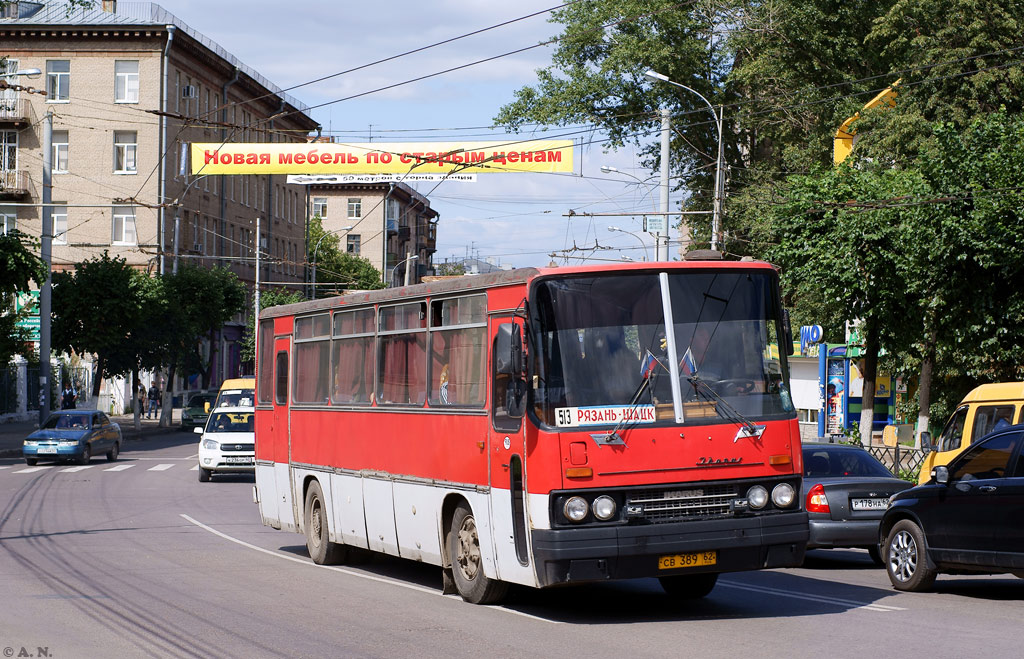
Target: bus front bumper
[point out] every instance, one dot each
(626, 552)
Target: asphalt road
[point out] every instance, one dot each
(139, 559)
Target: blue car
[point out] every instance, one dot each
(73, 435)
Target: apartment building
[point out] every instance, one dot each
(128, 85)
(389, 224)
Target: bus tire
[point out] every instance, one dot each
(467, 561)
(318, 543)
(689, 586)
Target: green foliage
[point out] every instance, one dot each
(270, 298)
(19, 263)
(98, 308)
(447, 269)
(334, 266)
(198, 302)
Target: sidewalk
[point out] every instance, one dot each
(13, 434)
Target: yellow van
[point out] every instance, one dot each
(236, 392)
(986, 408)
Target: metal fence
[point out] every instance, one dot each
(8, 389)
(899, 458)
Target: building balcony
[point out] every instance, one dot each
(13, 110)
(13, 183)
(391, 226)
(403, 234)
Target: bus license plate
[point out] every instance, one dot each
(870, 504)
(696, 559)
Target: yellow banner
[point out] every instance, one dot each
(383, 157)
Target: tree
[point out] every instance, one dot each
(448, 269)
(19, 266)
(333, 266)
(597, 78)
(97, 308)
(199, 302)
(268, 298)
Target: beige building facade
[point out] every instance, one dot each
(128, 85)
(389, 224)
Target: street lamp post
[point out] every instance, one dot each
(317, 248)
(411, 258)
(642, 243)
(716, 217)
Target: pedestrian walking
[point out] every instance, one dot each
(154, 401)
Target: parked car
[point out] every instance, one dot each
(73, 435)
(196, 409)
(969, 518)
(846, 491)
(228, 442)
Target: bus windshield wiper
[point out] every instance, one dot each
(747, 429)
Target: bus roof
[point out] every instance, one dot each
(995, 391)
(470, 283)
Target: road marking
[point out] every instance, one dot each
(163, 467)
(353, 573)
(32, 469)
(821, 599)
(195, 468)
(4, 466)
(119, 468)
(71, 470)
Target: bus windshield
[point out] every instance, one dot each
(602, 344)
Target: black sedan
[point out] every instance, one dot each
(73, 435)
(969, 518)
(846, 491)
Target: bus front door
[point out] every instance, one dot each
(281, 432)
(509, 505)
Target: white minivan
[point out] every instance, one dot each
(228, 442)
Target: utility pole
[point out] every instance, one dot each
(46, 245)
(660, 242)
(256, 304)
(716, 218)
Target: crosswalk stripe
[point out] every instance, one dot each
(32, 469)
(71, 470)
(163, 467)
(4, 466)
(196, 468)
(119, 468)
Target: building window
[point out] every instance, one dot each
(58, 80)
(355, 208)
(8, 220)
(60, 152)
(125, 145)
(807, 416)
(320, 207)
(8, 150)
(126, 81)
(59, 215)
(352, 242)
(124, 225)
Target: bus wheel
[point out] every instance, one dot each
(467, 561)
(689, 586)
(321, 549)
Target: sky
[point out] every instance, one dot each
(517, 219)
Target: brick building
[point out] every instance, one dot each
(385, 223)
(128, 85)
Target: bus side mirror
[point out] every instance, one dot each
(787, 327)
(508, 350)
(926, 441)
(206, 407)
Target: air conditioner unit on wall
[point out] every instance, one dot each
(189, 91)
(198, 247)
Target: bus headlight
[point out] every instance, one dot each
(575, 509)
(783, 495)
(757, 497)
(604, 508)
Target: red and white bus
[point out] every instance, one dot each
(539, 426)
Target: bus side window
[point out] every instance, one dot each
(499, 393)
(281, 387)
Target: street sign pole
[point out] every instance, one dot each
(46, 245)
